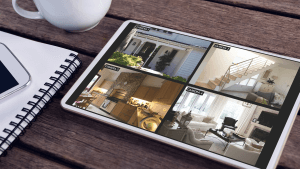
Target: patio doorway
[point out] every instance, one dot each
(146, 50)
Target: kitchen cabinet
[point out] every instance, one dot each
(99, 100)
(151, 94)
(146, 93)
(118, 108)
(123, 112)
(133, 120)
(126, 113)
(106, 84)
(167, 93)
(141, 92)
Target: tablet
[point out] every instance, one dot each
(220, 100)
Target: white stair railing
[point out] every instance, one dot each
(243, 68)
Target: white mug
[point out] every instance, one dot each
(70, 15)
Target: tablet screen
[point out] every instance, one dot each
(216, 97)
(10, 81)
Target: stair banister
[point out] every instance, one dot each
(224, 76)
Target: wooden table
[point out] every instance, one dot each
(60, 139)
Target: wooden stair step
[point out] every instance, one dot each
(224, 80)
(203, 85)
(212, 84)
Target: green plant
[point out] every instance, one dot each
(264, 102)
(164, 61)
(178, 78)
(124, 59)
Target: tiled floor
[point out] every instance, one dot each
(94, 109)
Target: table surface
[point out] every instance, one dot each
(60, 139)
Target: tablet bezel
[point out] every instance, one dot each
(17, 70)
(277, 151)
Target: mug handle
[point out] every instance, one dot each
(26, 14)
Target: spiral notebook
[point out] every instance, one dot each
(50, 67)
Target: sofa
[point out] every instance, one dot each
(197, 122)
(242, 154)
(257, 98)
(191, 139)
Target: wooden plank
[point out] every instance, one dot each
(237, 25)
(290, 157)
(86, 142)
(288, 8)
(241, 26)
(18, 158)
(90, 42)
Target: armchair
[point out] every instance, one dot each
(228, 123)
(201, 143)
(241, 154)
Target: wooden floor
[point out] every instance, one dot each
(60, 139)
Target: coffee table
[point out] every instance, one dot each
(221, 134)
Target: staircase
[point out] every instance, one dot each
(238, 71)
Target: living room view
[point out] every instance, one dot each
(160, 52)
(129, 96)
(219, 124)
(249, 75)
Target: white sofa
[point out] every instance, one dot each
(191, 139)
(198, 124)
(241, 154)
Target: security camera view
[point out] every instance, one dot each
(249, 75)
(219, 98)
(219, 124)
(160, 52)
(131, 97)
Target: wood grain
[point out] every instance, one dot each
(288, 8)
(85, 142)
(81, 142)
(237, 25)
(241, 26)
(90, 42)
(19, 159)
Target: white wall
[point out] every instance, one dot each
(110, 75)
(189, 64)
(217, 65)
(161, 52)
(132, 47)
(151, 81)
(169, 70)
(104, 74)
(285, 79)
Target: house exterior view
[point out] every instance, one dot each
(164, 52)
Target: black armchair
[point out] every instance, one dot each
(228, 123)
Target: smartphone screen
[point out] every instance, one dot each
(8, 80)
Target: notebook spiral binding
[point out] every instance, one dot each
(42, 100)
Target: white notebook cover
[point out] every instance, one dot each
(41, 61)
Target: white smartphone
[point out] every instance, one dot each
(220, 100)
(14, 75)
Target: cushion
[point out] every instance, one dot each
(197, 118)
(208, 119)
(257, 146)
(248, 147)
(229, 121)
(278, 98)
(268, 96)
